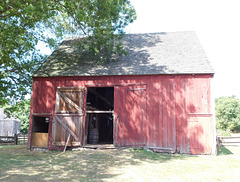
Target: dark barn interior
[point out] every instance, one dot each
(99, 120)
(40, 124)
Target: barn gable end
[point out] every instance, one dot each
(158, 96)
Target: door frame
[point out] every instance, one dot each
(46, 115)
(86, 113)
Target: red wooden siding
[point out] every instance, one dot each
(199, 133)
(171, 112)
(161, 113)
(181, 117)
(131, 113)
(198, 115)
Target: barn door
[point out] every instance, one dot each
(129, 113)
(68, 119)
(200, 138)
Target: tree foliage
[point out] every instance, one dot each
(99, 21)
(20, 110)
(23, 23)
(228, 113)
(18, 58)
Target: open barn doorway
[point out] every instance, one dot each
(99, 120)
(40, 131)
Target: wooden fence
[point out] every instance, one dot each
(229, 141)
(20, 139)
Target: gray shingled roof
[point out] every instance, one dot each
(155, 53)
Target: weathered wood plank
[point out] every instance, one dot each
(100, 112)
(14, 139)
(66, 143)
(41, 114)
(67, 128)
(69, 101)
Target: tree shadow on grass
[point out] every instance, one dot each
(19, 164)
(223, 151)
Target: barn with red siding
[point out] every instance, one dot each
(158, 96)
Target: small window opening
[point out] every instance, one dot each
(99, 120)
(40, 131)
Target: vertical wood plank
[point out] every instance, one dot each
(181, 120)
(160, 114)
(168, 102)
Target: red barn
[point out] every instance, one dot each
(158, 97)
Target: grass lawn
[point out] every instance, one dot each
(19, 164)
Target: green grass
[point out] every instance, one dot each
(19, 164)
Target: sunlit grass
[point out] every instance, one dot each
(19, 164)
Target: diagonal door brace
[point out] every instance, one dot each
(67, 128)
(69, 101)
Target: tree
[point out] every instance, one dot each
(17, 46)
(26, 22)
(21, 110)
(228, 113)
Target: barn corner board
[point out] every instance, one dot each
(158, 96)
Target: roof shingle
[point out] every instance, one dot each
(154, 53)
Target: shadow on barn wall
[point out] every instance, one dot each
(155, 112)
(159, 111)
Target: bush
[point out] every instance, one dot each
(228, 113)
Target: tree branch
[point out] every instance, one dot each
(13, 79)
(69, 12)
(2, 15)
(4, 10)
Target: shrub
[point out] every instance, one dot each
(228, 113)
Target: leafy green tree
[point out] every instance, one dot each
(18, 37)
(228, 113)
(23, 23)
(21, 110)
